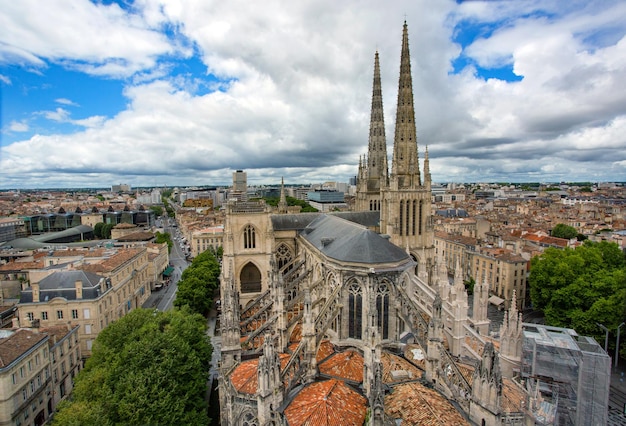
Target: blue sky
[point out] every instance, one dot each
(184, 92)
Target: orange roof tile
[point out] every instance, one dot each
(395, 366)
(513, 396)
(245, 378)
(416, 404)
(326, 349)
(344, 365)
(331, 402)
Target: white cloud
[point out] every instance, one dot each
(93, 38)
(64, 101)
(6, 80)
(296, 82)
(18, 126)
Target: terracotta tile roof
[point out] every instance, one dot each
(56, 331)
(397, 369)
(20, 266)
(245, 378)
(296, 334)
(344, 365)
(113, 262)
(326, 349)
(416, 355)
(331, 402)
(14, 345)
(416, 404)
(513, 396)
(467, 371)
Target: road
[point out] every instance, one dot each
(163, 299)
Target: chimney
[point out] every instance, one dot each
(35, 288)
(79, 289)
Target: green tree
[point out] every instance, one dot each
(97, 229)
(562, 230)
(147, 368)
(158, 210)
(198, 283)
(580, 288)
(164, 237)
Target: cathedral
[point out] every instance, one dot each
(348, 318)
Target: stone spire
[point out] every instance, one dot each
(480, 304)
(377, 147)
(511, 335)
(282, 204)
(405, 167)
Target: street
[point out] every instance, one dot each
(164, 298)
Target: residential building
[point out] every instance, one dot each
(92, 295)
(205, 238)
(25, 382)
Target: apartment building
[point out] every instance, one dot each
(203, 239)
(91, 295)
(503, 271)
(65, 359)
(25, 381)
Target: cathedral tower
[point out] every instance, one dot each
(406, 200)
(373, 172)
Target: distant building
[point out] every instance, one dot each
(122, 187)
(326, 200)
(11, 228)
(203, 239)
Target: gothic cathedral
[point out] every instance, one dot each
(347, 318)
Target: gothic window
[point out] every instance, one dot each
(421, 206)
(250, 279)
(284, 257)
(401, 216)
(382, 308)
(249, 419)
(249, 240)
(413, 217)
(355, 311)
(408, 217)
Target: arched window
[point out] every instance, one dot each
(382, 308)
(249, 419)
(284, 257)
(408, 217)
(355, 311)
(249, 240)
(250, 279)
(401, 217)
(413, 217)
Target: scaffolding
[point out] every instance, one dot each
(569, 372)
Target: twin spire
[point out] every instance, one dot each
(405, 170)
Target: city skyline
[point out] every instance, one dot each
(158, 93)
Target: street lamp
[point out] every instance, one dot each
(617, 344)
(606, 338)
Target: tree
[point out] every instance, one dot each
(580, 288)
(97, 229)
(562, 230)
(199, 282)
(158, 210)
(147, 368)
(164, 238)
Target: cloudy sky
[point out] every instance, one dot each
(153, 93)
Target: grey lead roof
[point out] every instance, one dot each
(63, 284)
(346, 241)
